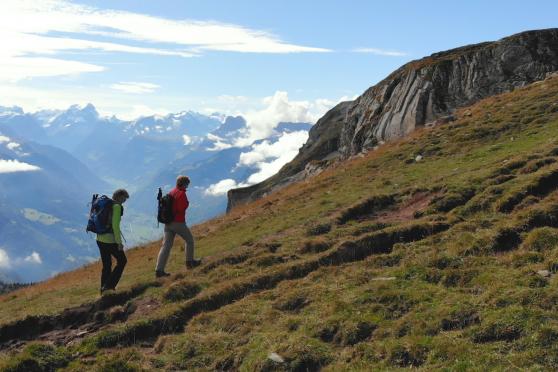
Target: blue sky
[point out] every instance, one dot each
(134, 58)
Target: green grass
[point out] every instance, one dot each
(378, 263)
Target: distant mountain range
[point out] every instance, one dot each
(51, 161)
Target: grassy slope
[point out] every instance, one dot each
(437, 269)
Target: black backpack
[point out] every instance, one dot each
(165, 213)
(100, 215)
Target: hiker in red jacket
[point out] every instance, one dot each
(178, 226)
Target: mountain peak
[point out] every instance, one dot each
(13, 110)
(87, 109)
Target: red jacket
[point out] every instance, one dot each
(180, 204)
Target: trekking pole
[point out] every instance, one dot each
(159, 197)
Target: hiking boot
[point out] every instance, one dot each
(161, 274)
(192, 264)
(105, 290)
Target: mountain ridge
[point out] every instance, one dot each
(417, 94)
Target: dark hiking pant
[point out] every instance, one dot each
(110, 277)
(171, 230)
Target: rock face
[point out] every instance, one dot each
(418, 93)
(424, 90)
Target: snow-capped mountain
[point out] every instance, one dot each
(69, 154)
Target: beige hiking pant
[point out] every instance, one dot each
(171, 230)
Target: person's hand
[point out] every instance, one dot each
(120, 247)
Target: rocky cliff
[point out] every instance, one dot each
(418, 93)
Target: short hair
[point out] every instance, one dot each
(182, 181)
(120, 193)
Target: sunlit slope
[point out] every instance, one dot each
(422, 253)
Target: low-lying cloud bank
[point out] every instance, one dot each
(7, 263)
(12, 166)
(266, 158)
(280, 109)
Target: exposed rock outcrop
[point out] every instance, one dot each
(418, 94)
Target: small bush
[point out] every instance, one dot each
(520, 259)
(292, 303)
(368, 228)
(505, 325)
(527, 202)
(410, 355)
(458, 277)
(444, 262)
(366, 208)
(351, 333)
(535, 165)
(319, 229)
(547, 336)
(304, 355)
(316, 245)
(39, 357)
(497, 331)
(459, 317)
(483, 200)
(347, 333)
(452, 199)
(107, 339)
(117, 365)
(266, 260)
(541, 240)
(328, 332)
(182, 291)
(537, 281)
(385, 260)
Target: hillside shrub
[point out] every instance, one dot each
(366, 208)
(542, 239)
(319, 229)
(316, 245)
(410, 354)
(181, 291)
(39, 357)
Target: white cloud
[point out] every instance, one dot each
(268, 157)
(4, 139)
(37, 216)
(11, 166)
(265, 150)
(34, 258)
(12, 145)
(4, 260)
(27, 27)
(279, 108)
(380, 52)
(218, 143)
(71, 258)
(139, 111)
(222, 187)
(15, 68)
(187, 140)
(135, 87)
